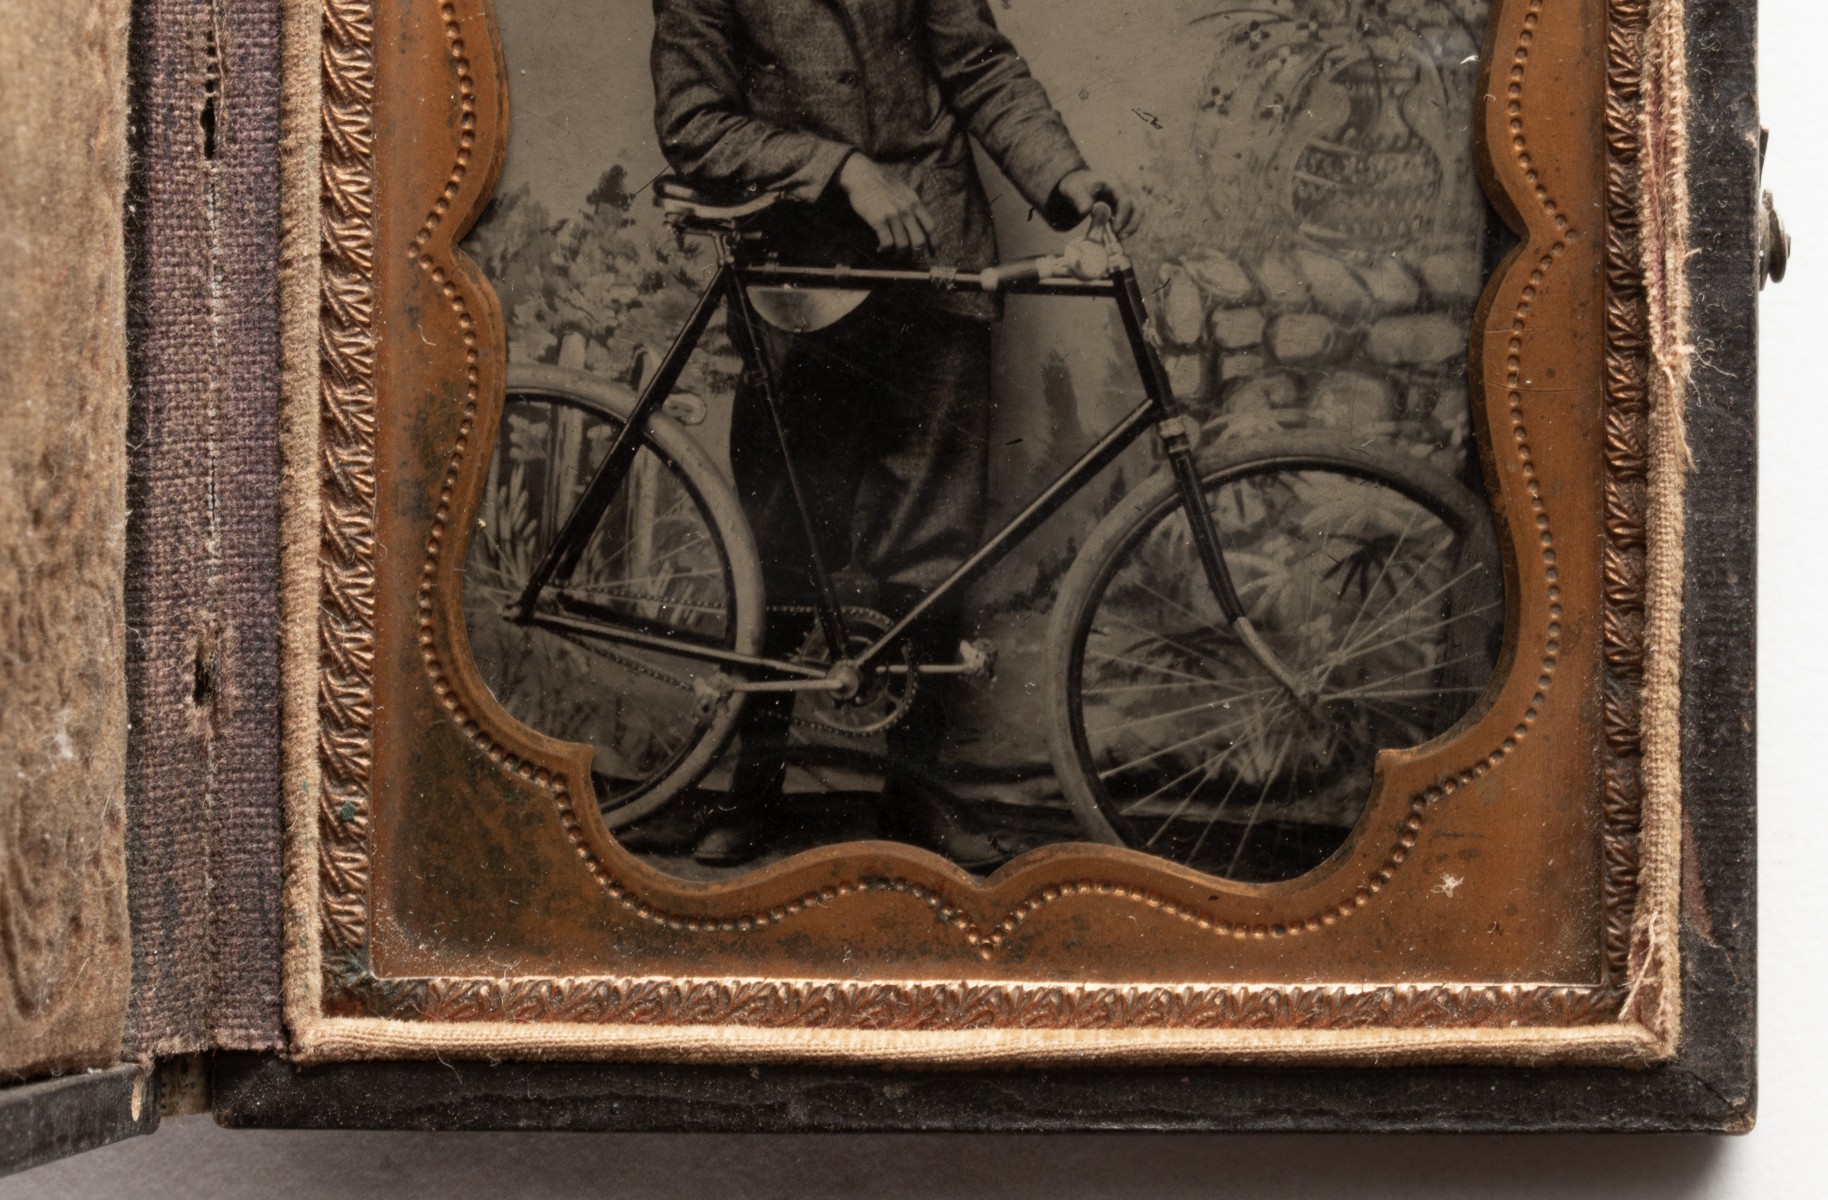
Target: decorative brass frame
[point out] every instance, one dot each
(736, 1006)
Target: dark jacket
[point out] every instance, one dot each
(755, 95)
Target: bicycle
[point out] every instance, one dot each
(1242, 633)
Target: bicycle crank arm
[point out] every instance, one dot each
(845, 679)
(977, 660)
(714, 689)
(827, 684)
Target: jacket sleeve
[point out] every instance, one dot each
(706, 131)
(988, 85)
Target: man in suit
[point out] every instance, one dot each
(860, 114)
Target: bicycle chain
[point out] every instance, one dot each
(867, 615)
(590, 647)
(594, 647)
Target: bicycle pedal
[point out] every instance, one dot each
(708, 692)
(979, 659)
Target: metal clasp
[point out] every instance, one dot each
(1773, 239)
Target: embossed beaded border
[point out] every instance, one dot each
(1627, 347)
(347, 346)
(349, 516)
(950, 1007)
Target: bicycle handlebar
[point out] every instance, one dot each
(1032, 276)
(1084, 265)
(1098, 255)
(1083, 260)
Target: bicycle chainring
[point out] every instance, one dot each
(881, 703)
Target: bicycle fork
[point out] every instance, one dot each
(1177, 443)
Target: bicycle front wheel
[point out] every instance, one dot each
(672, 556)
(1370, 575)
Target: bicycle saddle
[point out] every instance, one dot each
(686, 205)
(795, 309)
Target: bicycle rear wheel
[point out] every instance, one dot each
(1373, 577)
(671, 556)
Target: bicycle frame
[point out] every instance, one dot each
(729, 288)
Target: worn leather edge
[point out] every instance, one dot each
(1718, 912)
(55, 1118)
(64, 930)
(265, 1092)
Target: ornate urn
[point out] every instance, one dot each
(1371, 183)
(1343, 124)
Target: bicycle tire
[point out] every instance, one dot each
(676, 518)
(1440, 642)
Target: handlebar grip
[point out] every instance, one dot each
(1022, 271)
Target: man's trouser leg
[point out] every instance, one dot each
(886, 415)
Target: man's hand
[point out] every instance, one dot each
(1085, 187)
(887, 205)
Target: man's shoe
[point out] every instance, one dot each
(733, 831)
(648, 837)
(727, 842)
(911, 813)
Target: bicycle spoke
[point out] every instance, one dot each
(657, 556)
(1149, 666)
(1422, 692)
(1382, 571)
(1212, 819)
(1178, 712)
(1269, 780)
(1203, 735)
(1370, 591)
(1415, 733)
(1353, 583)
(643, 666)
(1349, 653)
(1378, 619)
(1212, 772)
(1220, 807)
(1170, 602)
(623, 549)
(1159, 636)
(645, 586)
(1195, 769)
(1373, 689)
(1115, 688)
(1224, 802)
(608, 597)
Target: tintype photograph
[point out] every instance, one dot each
(983, 427)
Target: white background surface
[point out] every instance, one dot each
(1783, 1157)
